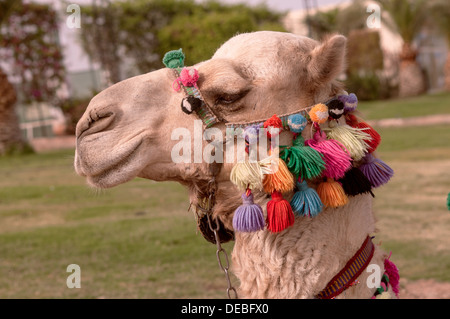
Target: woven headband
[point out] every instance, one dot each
(186, 79)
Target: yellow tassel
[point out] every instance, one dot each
(280, 180)
(247, 175)
(332, 194)
(354, 139)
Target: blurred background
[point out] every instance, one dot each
(138, 240)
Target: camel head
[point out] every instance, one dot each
(126, 131)
(132, 128)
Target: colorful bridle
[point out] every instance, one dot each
(338, 158)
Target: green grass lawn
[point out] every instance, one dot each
(428, 104)
(139, 241)
(134, 241)
(411, 209)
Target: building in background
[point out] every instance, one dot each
(431, 45)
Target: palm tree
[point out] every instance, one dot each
(408, 17)
(440, 10)
(10, 134)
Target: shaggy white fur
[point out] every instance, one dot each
(301, 260)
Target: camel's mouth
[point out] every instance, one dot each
(109, 167)
(124, 129)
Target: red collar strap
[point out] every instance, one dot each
(354, 267)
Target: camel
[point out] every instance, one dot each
(126, 133)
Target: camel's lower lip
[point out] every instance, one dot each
(121, 172)
(112, 169)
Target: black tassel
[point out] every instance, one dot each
(355, 182)
(335, 108)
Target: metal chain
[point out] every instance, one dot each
(220, 251)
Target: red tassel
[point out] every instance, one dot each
(279, 213)
(375, 140)
(273, 126)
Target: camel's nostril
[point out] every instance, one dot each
(93, 122)
(95, 115)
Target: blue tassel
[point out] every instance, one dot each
(249, 216)
(306, 201)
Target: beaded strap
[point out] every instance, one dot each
(203, 112)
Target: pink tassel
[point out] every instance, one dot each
(336, 156)
(392, 272)
(188, 77)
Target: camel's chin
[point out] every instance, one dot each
(113, 175)
(109, 179)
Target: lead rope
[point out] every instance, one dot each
(220, 250)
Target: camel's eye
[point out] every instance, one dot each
(228, 98)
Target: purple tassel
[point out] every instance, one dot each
(249, 216)
(351, 103)
(376, 171)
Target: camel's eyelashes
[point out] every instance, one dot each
(229, 98)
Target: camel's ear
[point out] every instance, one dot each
(327, 60)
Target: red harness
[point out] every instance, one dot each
(347, 276)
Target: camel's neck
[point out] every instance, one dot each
(299, 261)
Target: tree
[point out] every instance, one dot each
(364, 65)
(337, 20)
(30, 46)
(364, 53)
(144, 30)
(408, 18)
(125, 32)
(210, 25)
(440, 10)
(10, 135)
(322, 23)
(100, 37)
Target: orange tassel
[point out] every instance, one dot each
(281, 180)
(332, 194)
(319, 113)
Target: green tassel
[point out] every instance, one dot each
(174, 59)
(303, 160)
